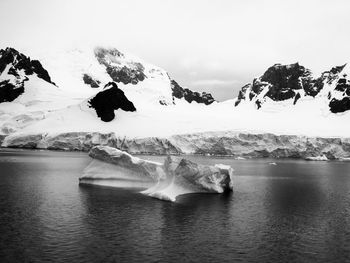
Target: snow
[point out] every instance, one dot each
(163, 121)
(64, 108)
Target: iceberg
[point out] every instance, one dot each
(176, 176)
(317, 158)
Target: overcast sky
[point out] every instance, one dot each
(215, 46)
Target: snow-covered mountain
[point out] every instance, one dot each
(74, 99)
(294, 83)
(88, 81)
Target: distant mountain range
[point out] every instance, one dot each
(103, 90)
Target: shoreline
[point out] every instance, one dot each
(230, 157)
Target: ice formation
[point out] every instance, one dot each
(113, 167)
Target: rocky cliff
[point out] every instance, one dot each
(295, 82)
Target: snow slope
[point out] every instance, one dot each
(65, 108)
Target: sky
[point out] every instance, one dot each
(216, 46)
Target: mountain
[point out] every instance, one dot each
(294, 83)
(15, 70)
(93, 81)
(77, 98)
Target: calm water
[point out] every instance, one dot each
(294, 211)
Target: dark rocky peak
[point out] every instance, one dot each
(242, 93)
(333, 74)
(94, 83)
(111, 54)
(340, 96)
(110, 99)
(118, 67)
(189, 95)
(18, 69)
(9, 91)
(281, 82)
(19, 61)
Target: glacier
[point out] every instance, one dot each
(228, 143)
(115, 168)
(55, 113)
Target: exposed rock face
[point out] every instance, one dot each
(17, 61)
(109, 100)
(173, 178)
(14, 71)
(340, 96)
(284, 82)
(9, 92)
(281, 82)
(94, 83)
(118, 68)
(189, 95)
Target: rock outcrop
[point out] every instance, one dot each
(171, 179)
(15, 70)
(94, 83)
(281, 82)
(189, 95)
(118, 67)
(340, 96)
(110, 99)
(294, 82)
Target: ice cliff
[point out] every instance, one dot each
(112, 167)
(229, 143)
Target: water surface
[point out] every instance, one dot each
(295, 211)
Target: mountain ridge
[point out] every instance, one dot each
(297, 103)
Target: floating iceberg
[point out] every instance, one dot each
(112, 167)
(317, 158)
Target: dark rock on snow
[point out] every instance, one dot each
(337, 105)
(283, 82)
(110, 99)
(94, 83)
(132, 73)
(189, 95)
(19, 62)
(16, 61)
(9, 92)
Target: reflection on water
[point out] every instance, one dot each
(294, 211)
